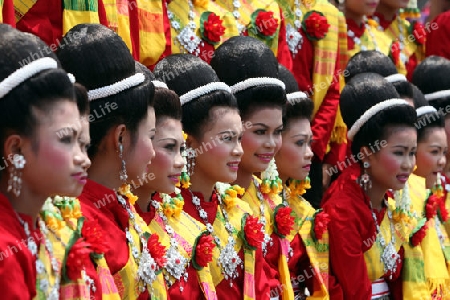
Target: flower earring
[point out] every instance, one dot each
(364, 180)
(15, 180)
(123, 172)
(190, 160)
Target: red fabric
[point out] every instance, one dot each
(8, 13)
(352, 232)
(438, 41)
(383, 22)
(337, 153)
(17, 265)
(102, 14)
(191, 288)
(134, 29)
(146, 215)
(284, 54)
(223, 289)
(357, 30)
(167, 34)
(100, 203)
(44, 19)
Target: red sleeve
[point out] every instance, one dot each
(302, 65)
(438, 40)
(346, 253)
(411, 66)
(323, 123)
(337, 153)
(191, 288)
(262, 281)
(17, 271)
(8, 13)
(44, 20)
(284, 54)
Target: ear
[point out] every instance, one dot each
(191, 142)
(367, 154)
(120, 136)
(13, 145)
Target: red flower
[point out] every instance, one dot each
(443, 211)
(321, 221)
(419, 33)
(284, 221)
(93, 234)
(395, 52)
(204, 250)
(77, 259)
(418, 236)
(265, 22)
(253, 232)
(213, 28)
(431, 207)
(157, 251)
(315, 25)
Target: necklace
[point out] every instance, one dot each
(262, 218)
(187, 39)
(237, 16)
(228, 260)
(176, 263)
(147, 265)
(357, 40)
(44, 284)
(293, 37)
(389, 256)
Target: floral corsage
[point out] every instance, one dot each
(202, 251)
(263, 24)
(315, 25)
(211, 28)
(251, 232)
(284, 220)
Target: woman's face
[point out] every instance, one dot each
(294, 158)
(219, 151)
(361, 7)
(139, 155)
(56, 158)
(431, 154)
(165, 169)
(391, 166)
(262, 139)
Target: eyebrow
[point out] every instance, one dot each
(302, 134)
(403, 147)
(229, 131)
(171, 139)
(63, 131)
(264, 125)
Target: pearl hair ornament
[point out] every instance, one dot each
(204, 90)
(425, 110)
(396, 78)
(296, 97)
(437, 95)
(115, 88)
(253, 82)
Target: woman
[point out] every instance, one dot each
(160, 204)
(122, 126)
(437, 40)
(362, 226)
(293, 162)
(40, 126)
(428, 199)
(212, 122)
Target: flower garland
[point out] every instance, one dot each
(271, 183)
(401, 212)
(297, 187)
(417, 30)
(176, 263)
(151, 259)
(357, 41)
(293, 37)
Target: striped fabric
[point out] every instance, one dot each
(22, 7)
(79, 12)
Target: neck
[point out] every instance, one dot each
(387, 12)
(244, 178)
(376, 196)
(284, 178)
(359, 19)
(144, 195)
(105, 171)
(202, 185)
(28, 202)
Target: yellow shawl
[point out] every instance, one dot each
(79, 12)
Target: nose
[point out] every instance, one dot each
(309, 154)
(442, 161)
(270, 142)
(179, 161)
(152, 152)
(238, 150)
(409, 162)
(81, 158)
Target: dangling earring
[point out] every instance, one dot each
(15, 180)
(364, 180)
(190, 160)
(341, 5)
(185, 179)
(123, 172)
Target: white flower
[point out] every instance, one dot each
(203, 214)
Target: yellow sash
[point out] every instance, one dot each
(270, 203)
(382, 41)
(435, 265)
(317, 250)
(22, 7)
(180, 9)
(79, 12)
(186, 230)
(127, 279)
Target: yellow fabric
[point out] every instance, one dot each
(435, 267)
(317, 251)
(180, 9)
(249, 271)
(447, 205)
(186, 230)
(127, 279)
(270, 203)
(111, 14)
(393, 32)
(1, 11)
(74, 17)
(123, 21)
(152, 40)
(246, 10)
(382, 40)
(22, 7)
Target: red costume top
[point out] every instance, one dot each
(17, 264)
(438, 40)
(7, 13)
(223, 289)
(352, 232)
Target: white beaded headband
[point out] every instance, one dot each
(371, 112)
(26, 72)
(115, 88)
(437, 95)
(203, 90)
(159, 84)
(425, 110)
(296, 97)
(396, 78)
(252, 82)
